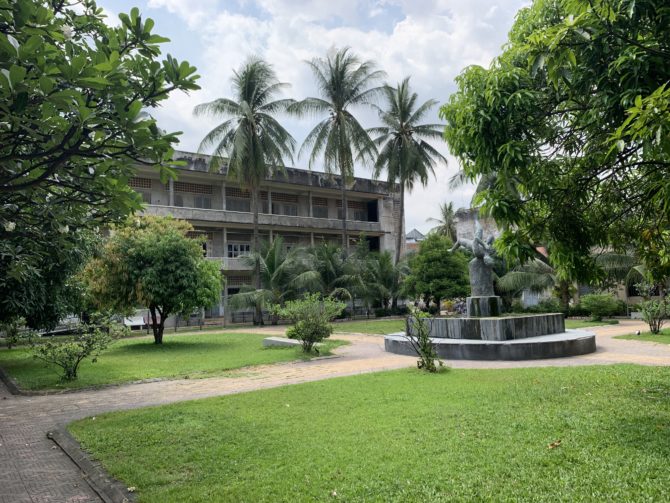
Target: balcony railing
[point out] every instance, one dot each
(231, 264)
(238, 217)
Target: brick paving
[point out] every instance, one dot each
(33, 470)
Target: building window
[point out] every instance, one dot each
(193, 188)
(179, 200)
(140, 183)
(285, 209)
(238, 249)
(204, 202)
(146, 196)
(234, 204)
(320, 211)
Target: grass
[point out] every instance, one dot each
(463, 435)
(589, 323)
(133, 359)
(663, 337)
(380, 327)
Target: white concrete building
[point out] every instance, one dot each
(304, 207)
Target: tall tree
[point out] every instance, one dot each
(250, 141)
(573, 119)
(344, 81)
(72, 91)
(153, 262)
(404, 153)
(446, 224)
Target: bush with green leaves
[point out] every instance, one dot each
(311, 316)
(599, 305)
(68, 353)
(655, 312)
(14, 333)
(418, 334)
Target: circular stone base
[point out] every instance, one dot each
(568, 343)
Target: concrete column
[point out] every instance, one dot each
(223, 196)
(270, 207)
(171, 192)
(271, 235)
(225, 244)
(311, 214)
(311, 238)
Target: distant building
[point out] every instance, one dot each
(412, 240)
(303, 207)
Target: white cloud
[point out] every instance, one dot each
(433, 41)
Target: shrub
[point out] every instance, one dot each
(381, 312)
(417, 333)
(654, 312)
(14, 333)
(311, 316)
(68, 353)
(599, 305)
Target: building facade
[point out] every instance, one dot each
(303, 207)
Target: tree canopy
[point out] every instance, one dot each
(152, 262)
(573, 121)
(435, 273)
(73, 91)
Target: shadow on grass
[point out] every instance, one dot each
(150, 348)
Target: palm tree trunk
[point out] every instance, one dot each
(345, 240)
(401, 219)
(255, 192)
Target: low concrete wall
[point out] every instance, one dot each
(497, 329)
(570, 343)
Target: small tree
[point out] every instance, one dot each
(153, 262)
(599, 305)
(67, 354)
(418, 334)
(655, 313)
(311, 316)
(436, 274)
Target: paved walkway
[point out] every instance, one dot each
(32, 469)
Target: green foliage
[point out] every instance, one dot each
(152, 262)
(571, 125)
(599, 305)
(436, 274)
(72, 93)
(446, 223)
(418, 334)
(343, 81)
(311, 316)
(404, 153)
(655, 313)
(89, 341)
(14, 333)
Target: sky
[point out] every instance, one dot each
(431, 41)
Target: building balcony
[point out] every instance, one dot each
(231, 264)
(238, 218)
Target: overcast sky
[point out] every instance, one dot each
(429, 40)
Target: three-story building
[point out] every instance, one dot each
(303, 207)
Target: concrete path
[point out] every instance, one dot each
(32, 469)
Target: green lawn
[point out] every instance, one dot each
(663, 337)
(195, 356)
(587, 323)
(380, 327)
(463, 435)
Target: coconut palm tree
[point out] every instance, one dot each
(251, 140)
(404, 152)
(446, 224)
(344, 81)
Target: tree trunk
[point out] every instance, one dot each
(345, 239)
(399, 226)
(564, 288)
(255, 197)
(157, 326)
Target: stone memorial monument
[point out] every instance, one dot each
(482, 301)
